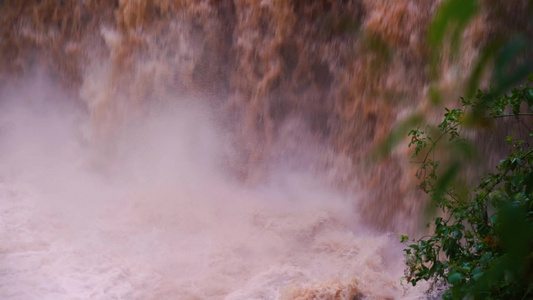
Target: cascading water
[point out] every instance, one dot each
(207, 149)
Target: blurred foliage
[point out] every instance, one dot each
(506, 54)
(481, 245)
(451, 19)
(396, 135)
(508, 57)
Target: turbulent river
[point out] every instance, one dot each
(161, 219)
(155, 149)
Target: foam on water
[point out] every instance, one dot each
(153, 214)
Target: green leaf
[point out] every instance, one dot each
(477, 276)
(517, 179)
(494, 218)
(528, 181)
(455, 278)
(485, 259)
(505, 77)
(446, 180)
(435, 95)
(451, 13)
(487, 55)
(398, 134)
(403, 238)
(477, 270)
(465, 269)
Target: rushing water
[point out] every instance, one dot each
(160, 217)
(208, 149)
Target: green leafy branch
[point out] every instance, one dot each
(482, 246)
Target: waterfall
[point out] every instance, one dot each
(155, 149)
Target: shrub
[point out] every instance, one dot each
(481, 244)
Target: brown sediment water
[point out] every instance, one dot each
(210, 149)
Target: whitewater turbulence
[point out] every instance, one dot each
(155, 214)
